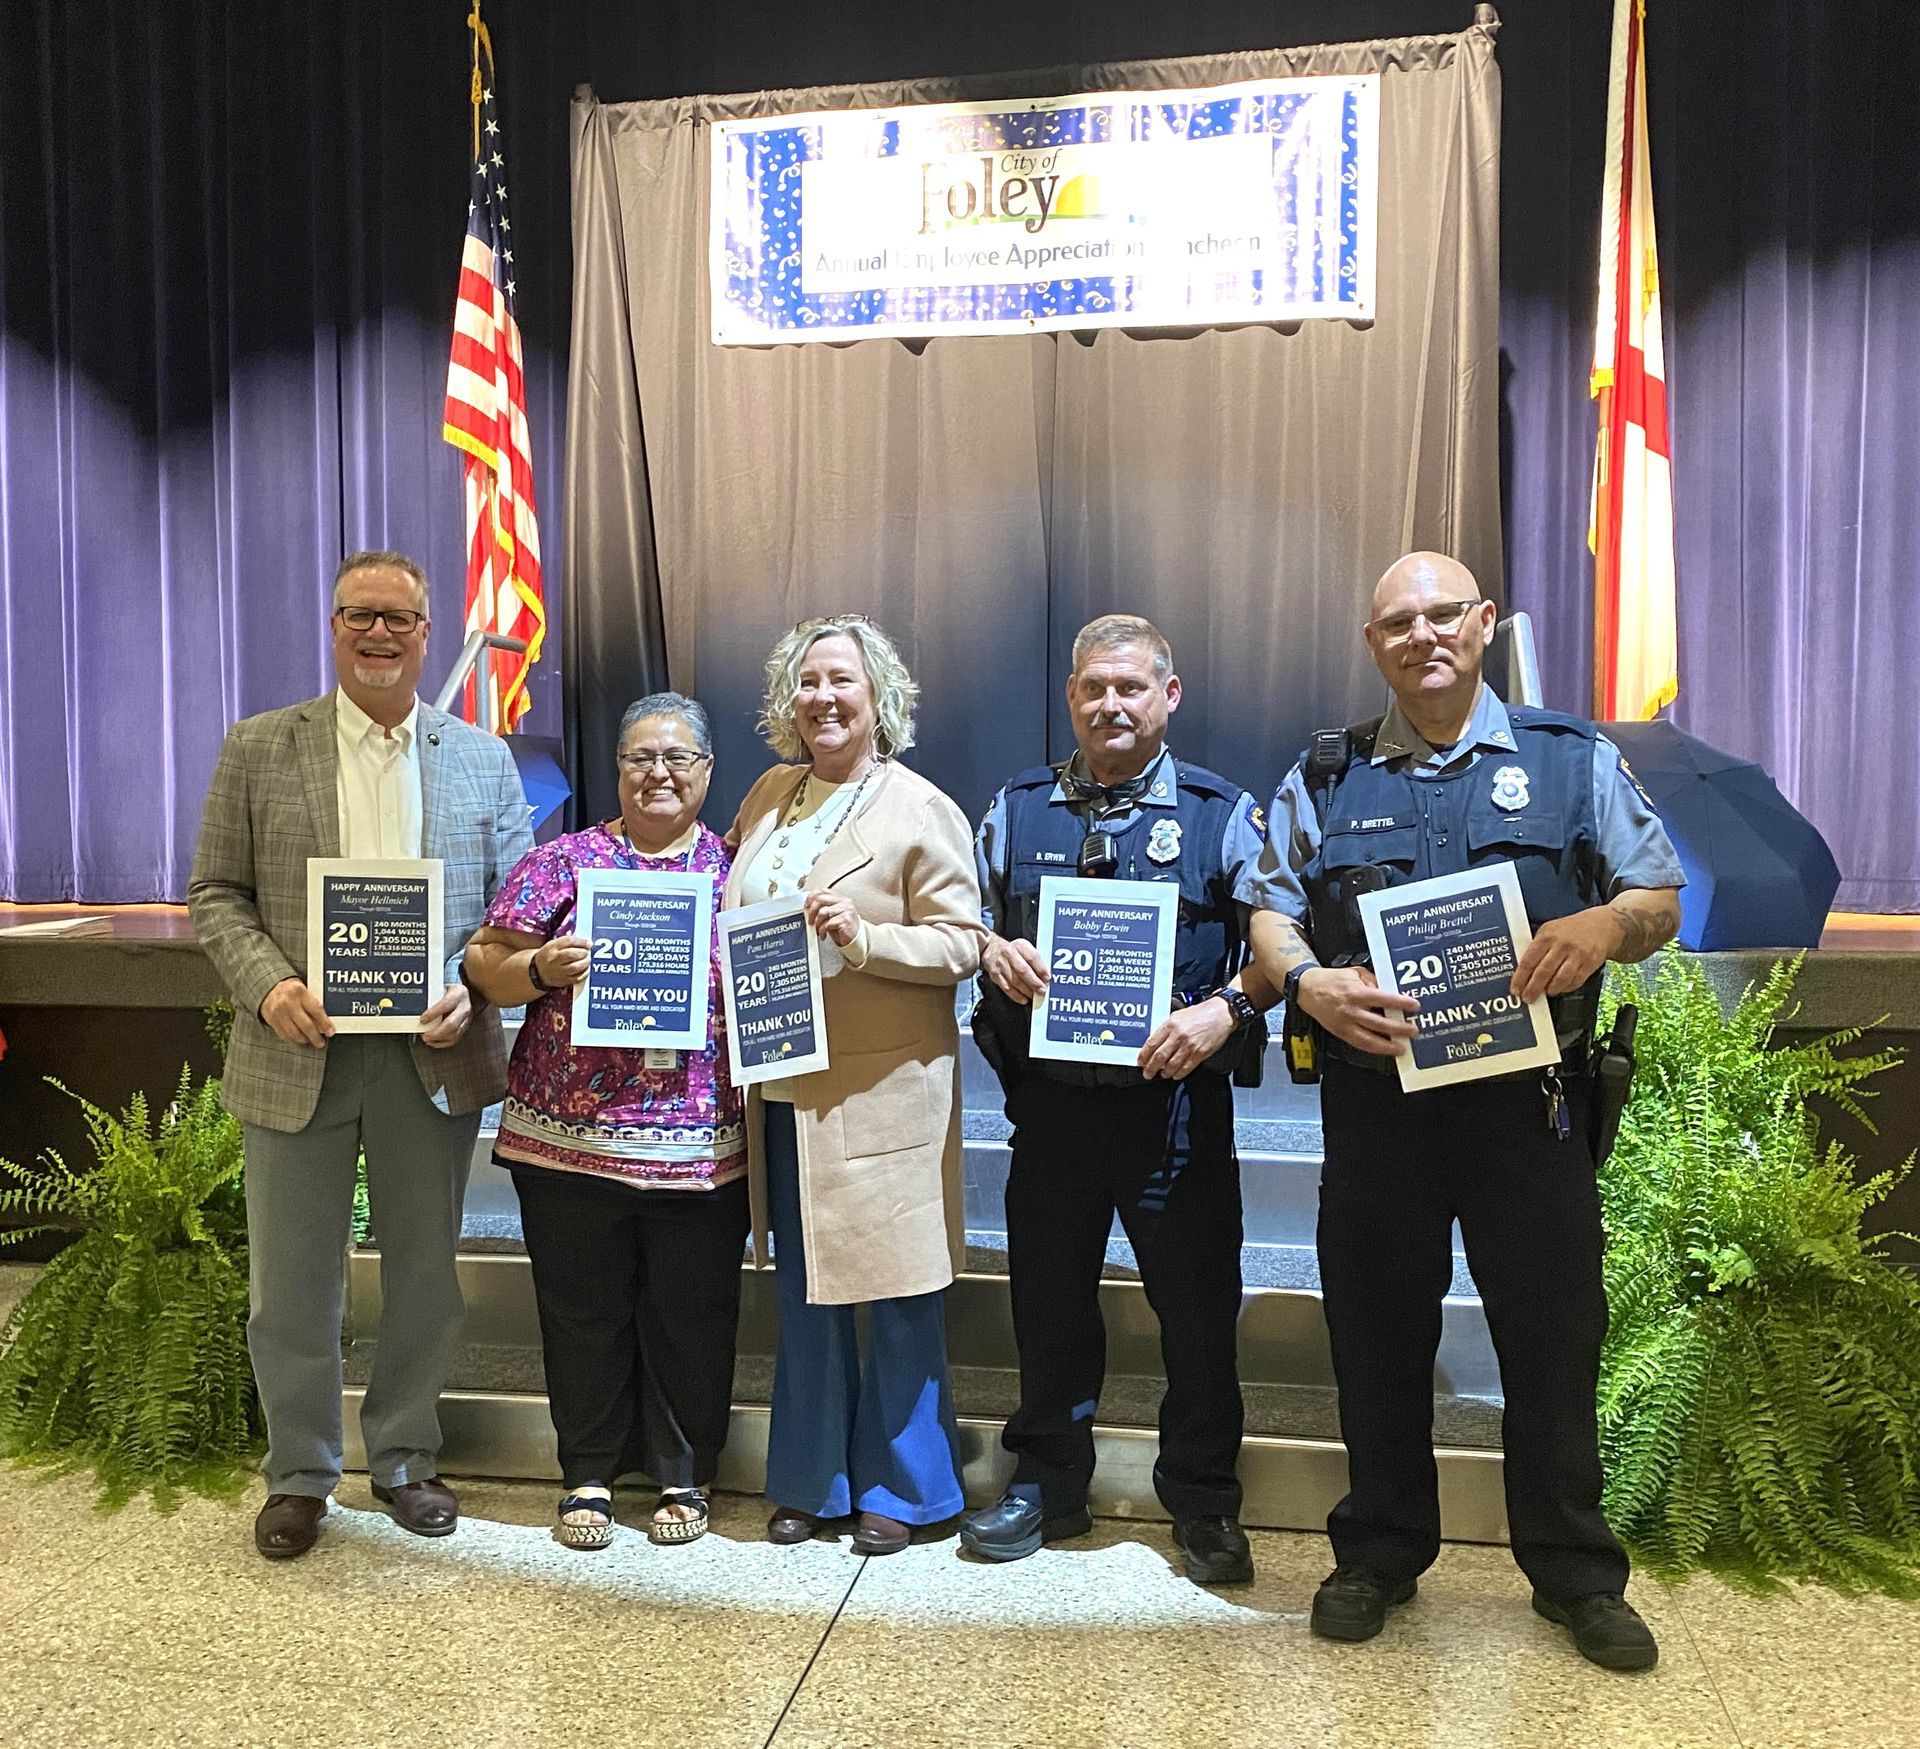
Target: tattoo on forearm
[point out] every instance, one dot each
(1296, 952)
(1643, 929)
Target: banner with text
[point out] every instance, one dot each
(1253, 202)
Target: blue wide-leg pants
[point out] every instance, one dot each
(850, 1434)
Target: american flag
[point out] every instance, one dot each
(486, 418)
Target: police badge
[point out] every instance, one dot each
(1510, 788)
(1163, 842)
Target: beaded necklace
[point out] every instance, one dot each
(617, 830)
(786, 826)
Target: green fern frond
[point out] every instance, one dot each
(128, 1356)
(1760, 1391)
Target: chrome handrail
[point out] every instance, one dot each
(473, 656)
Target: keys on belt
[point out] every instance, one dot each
(1559, 1118)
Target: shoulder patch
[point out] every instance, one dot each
(1256, 816)
(1639, 788)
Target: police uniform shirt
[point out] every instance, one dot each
(1239, 849)
(1631, 846)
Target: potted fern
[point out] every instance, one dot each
(129, 1354)
(1760, 1387)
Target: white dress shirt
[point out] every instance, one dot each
(379, 784)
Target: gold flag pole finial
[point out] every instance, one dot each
(481, 40)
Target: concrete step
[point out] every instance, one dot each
(1279, 1196)
(1293, 1466)
(1291, 1484)
(1283, 1337)
(993, 1393)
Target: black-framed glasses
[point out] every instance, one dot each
(398, 620)
(678, 760)
(1446, 618)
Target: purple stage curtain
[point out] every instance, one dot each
(1786, 159)
(231, 235)
(228, 234)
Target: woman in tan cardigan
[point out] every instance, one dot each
(855, 1170)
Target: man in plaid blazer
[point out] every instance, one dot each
(366, 770)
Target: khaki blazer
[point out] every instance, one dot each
(273, 803)
(879, 1127)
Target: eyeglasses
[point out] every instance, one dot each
(399, 620)
(1446, 618)
(678, 760)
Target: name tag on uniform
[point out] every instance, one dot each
(663, 1059)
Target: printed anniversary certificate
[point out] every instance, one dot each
(770, 958)
(1452, 943)
(1108, 948)
(647, 981)
(376, 947)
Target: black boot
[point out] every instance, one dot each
(1606, 1627)
(1353, 1601)
(1217, 1550)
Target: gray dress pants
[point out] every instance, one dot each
(299, 1221)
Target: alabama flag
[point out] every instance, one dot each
(1635, 665)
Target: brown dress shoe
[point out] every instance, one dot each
(426, 1508)
(288, 1525)
(877, 1534)
(789, 1526)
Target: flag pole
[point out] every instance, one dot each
(475, 27)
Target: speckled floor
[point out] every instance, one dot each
(139, 1629)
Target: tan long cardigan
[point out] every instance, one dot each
(879, 1127)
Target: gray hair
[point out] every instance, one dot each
(672, 704)
(894, 691)
(368, 561)
(1111, 630)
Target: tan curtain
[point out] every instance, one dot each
(983, 497)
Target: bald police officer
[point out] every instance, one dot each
(1152, 1142)
(1452, 779)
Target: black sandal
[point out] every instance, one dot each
(596, 1534)
(680, 1530)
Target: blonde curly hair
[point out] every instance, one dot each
(893, 688)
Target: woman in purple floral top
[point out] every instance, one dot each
(631, 1170)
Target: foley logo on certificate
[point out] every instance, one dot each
(1452, 944)
(376, 947)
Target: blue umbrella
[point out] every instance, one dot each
(541, 776)
(1758, 872)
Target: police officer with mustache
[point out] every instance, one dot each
(1452, 779)
(1153, 1142)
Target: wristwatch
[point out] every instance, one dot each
(1290, 990)
(533, 973)
(1239, 1005)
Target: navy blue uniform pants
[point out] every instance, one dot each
(1400, 1168)
(1160, 1154)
